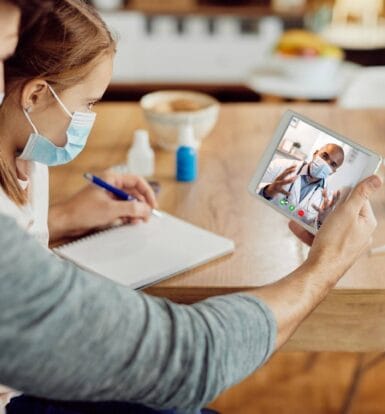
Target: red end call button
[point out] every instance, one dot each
(301, 213)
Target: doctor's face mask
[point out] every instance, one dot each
(319, 168)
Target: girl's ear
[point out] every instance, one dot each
(34, 95)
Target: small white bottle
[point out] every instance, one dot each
(141, 156)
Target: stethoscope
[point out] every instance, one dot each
(308, 196)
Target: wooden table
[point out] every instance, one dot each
(352, 317)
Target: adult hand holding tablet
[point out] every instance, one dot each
(355, 210)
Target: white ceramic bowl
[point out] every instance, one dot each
(166, 124)
(308, 69)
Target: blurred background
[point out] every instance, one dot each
(250, 50)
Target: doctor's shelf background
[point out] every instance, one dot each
(302, 140)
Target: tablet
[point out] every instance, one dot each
(308, 169)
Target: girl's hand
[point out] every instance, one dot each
(93, 208)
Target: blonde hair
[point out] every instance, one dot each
(63, 49)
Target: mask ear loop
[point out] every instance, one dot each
(26, 113)
(60, 102)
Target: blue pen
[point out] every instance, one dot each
(116, 191)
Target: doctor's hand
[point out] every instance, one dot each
(276, 187)
(346, 232)
(93, 208)
(327, 205)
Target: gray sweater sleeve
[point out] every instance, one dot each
(66, 334)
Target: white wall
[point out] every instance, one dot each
(164, 55)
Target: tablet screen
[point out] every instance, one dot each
(310, 172)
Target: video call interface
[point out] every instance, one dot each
(310, 172)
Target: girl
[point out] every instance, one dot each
(60, 70)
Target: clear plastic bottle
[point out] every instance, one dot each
(141, 158)
(186, 155)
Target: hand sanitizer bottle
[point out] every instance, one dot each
(140, 157)
(186, 155)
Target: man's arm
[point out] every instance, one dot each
(67, 334)
(344, 236)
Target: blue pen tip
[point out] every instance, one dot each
(87, 176)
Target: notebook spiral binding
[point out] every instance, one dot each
(88, 237)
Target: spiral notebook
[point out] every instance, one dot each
(142, 254)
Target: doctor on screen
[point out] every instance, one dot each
(301, 187)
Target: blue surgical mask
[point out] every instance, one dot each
(319, 168)
(43, 150)
(2, 94)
